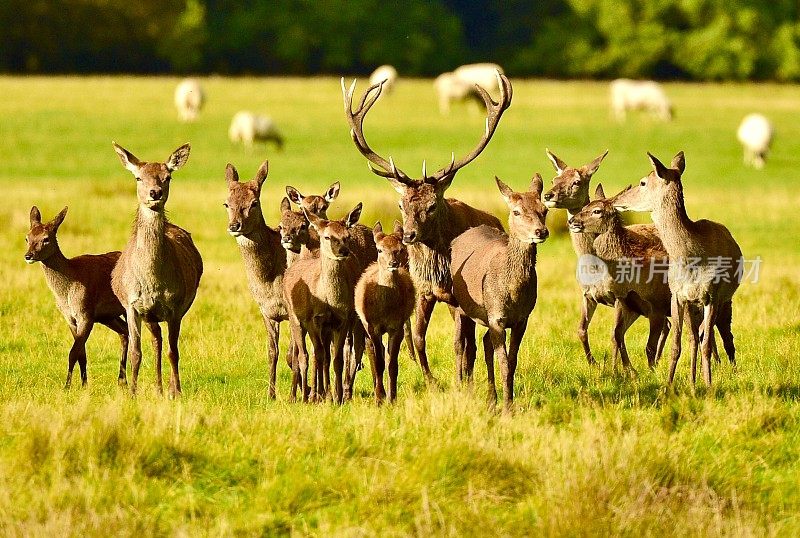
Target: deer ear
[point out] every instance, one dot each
(332, 192)
(58, 219)
(231, 175)
(398, 186)
(537, 185)
(315, 221)
(377, 231)
(398, 228)
(659, 168)
(599, 193)
(620, 193)
(36, 216)
(261, 175)
(558, 164)
(178, 157)
(294, 195)
(129, 160)
(679, 162)
(504, 189)
(285, 205)
(353, 216)
(591, 168)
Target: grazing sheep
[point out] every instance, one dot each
(248, 127)
(189, 99)
(386, 74)
(645, 95)
(459, 85)
(755, 133)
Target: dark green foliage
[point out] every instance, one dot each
(695, 39)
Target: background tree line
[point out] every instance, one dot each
(691, 39)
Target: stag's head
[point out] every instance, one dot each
(527, 213)
(570, 188)
(152, 179)
(243, 203)
(392, 253)
(334, 235)
(598, 216)
(294, 228)
(314, 204)
(660, 183)
(41, 238)
(422, 199)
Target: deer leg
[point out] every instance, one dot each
(514, 343)
(657, 324)
(488, 355)
(378, 365)
(507, 369)
(173, 333)
(409, 339)
(119, 326)
(77, 353)
(624, 318)
(394, 341)
(695, 322)
(273, 336)
(423, 311)
(458, 344)
(318, 364)
(338, 363)
(723, 324)
(709, 319)
(677, 320)
(470, 347)
(588, 306)
(300, 362)
(157, 340)
(353, 362)
(134, 345)
(662, 339)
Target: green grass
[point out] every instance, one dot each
(586, 452)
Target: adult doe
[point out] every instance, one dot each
(157, 276)
(494, 279)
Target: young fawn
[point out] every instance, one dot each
(705, 259)
(157, 276)
(646, 293)
(570, 191)
(319, 294)
(384, 301)
(263, 255)
(298, 238)
(494, 279)
(82, 289)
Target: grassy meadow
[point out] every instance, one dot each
(586, 451)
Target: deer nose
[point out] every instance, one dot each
(155, 194)
(345, 252)
(548, 196)
(28, 257)
(409, 237)
(235, 226)
(541, 233)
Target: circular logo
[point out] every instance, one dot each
(590, 270)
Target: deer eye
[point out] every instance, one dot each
(225, 204)
(26, 239)
(139, 179)
(643, 183)
(516, 213)
(597, 211)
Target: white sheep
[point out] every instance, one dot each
(459, 85)
(248, 127)
(189, 99)
(385, 73)
(645, 95)
(755, 133)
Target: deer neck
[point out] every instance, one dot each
(674, 225)
(582, 243)
(520, 263)
(57, 272)
(387, 279)
(262, 252)
(611, 245)
(335, 283)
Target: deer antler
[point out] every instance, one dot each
(355, 119)
(493, 113)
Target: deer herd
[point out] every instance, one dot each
(343, 285)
